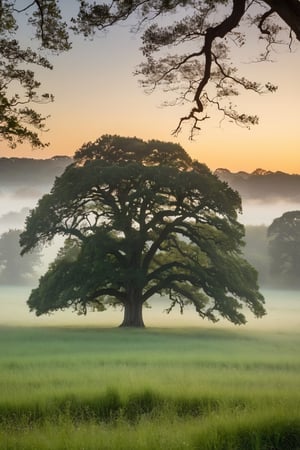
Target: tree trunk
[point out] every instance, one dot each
(133, 314)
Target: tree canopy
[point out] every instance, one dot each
(187, 47)
(284, 246)
(141, 218)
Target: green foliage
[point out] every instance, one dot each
(17, 119)
(19, 90)
(143, 221)
(284, 247)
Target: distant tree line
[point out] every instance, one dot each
(275, 251)
(15, 269)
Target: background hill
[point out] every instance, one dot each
(30, 172)
(263, 185)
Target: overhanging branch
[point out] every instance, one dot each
(289, 12)
(212, 33)
(219, 31)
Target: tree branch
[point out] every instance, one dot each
(25, 8)
(262, 20)
(211, 34)
(107, 291)
(167, 282)
(219, 31)
(289, 12)
(164, 268)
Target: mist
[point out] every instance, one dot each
(283, 313)
(256, 212)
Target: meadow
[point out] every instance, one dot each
(65, 387)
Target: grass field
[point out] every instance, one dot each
(89, 388)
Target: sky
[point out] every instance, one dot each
(96, 93)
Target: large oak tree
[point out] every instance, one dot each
(142, 218)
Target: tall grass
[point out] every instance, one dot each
(87, 388)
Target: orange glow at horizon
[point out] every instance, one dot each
(100, 96)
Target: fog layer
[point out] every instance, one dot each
(283, 313)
